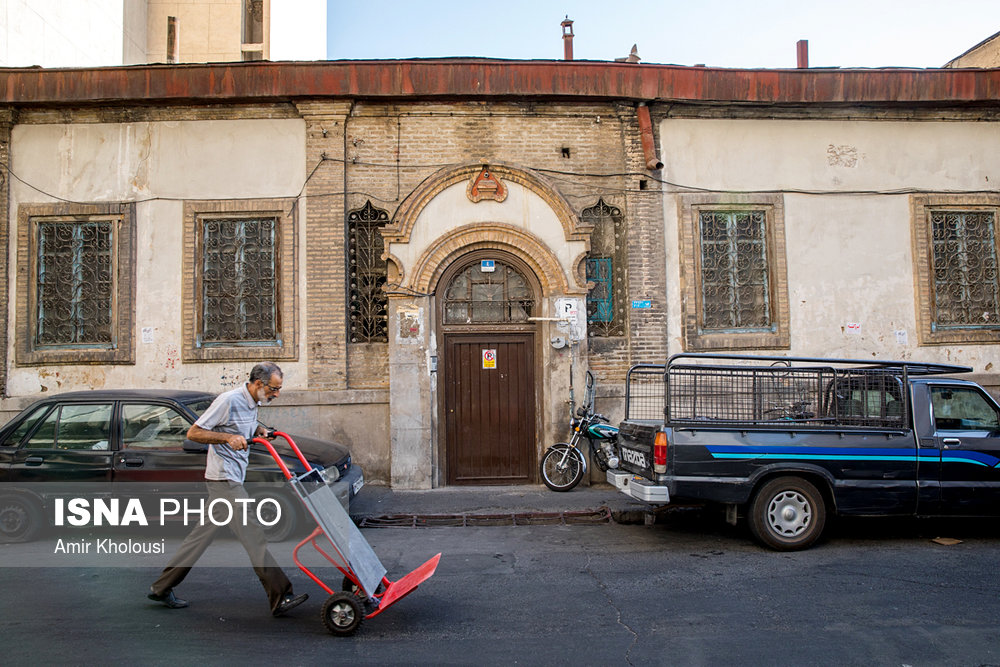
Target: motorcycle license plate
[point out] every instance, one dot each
(633, 457)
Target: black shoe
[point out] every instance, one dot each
(168, 599)
(289, 602)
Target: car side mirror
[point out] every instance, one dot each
(192, 446)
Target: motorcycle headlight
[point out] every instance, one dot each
(330, 475)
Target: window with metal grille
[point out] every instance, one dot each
(75, 283)
(734, 271)
(369, 303)
(600, 300)
(956, 267)
(239, 281)
(606, 269)
(734, 287)
(497, 296)
(966, 290)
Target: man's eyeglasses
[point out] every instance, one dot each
(273, 389)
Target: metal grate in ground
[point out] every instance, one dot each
(594, 516)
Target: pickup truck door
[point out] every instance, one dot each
(966, 423)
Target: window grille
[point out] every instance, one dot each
(966, 290)
(368, 272)
(734, 271)
(76, 283)
(600, 301)
(239, 281)
(606, 269)
(500, 296)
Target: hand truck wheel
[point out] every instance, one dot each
(343, 614)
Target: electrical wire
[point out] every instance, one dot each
(552, 174)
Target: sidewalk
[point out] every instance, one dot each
(375, 502)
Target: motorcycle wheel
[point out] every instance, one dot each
(562, 471)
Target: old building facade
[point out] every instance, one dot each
(436, 251)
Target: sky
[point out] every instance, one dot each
(716, 33)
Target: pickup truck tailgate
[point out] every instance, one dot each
(635, 476)
(634, 438)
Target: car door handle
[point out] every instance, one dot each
(131, 463)
(951, 442)
(33, 461)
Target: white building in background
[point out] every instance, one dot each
(98, 33)
(57, 33)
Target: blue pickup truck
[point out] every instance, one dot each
(787, 441)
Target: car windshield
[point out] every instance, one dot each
(199, 406)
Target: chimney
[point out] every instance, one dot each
(802, 53)
(567, 27)
(173, 39)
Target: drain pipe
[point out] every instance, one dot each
(646, 134)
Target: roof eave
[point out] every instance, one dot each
(489, 79)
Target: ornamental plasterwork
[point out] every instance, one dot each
(486, 186)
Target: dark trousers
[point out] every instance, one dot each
(251, 535)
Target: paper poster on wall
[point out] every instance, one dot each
(853, 328)
(489, 358)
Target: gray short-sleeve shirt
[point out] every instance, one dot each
(234, 411)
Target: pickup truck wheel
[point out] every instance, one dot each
(787, 514)
(562, 467)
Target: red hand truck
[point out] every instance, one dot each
(366, 590)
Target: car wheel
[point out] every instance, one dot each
(343, 614)
(268, 511)
(787, 514)
(20, 518)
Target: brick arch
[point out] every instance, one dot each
(490, 236)
(406, 215)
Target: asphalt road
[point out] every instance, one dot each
(690, 591)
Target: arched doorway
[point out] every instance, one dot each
(488, 358)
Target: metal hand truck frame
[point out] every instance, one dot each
(366, 590)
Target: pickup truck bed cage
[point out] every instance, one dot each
(753, 391)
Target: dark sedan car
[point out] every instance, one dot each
(117, 437)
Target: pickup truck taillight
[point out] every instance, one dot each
(660, 453)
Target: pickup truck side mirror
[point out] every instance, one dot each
(192, 446)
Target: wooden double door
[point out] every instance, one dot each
(489, 408)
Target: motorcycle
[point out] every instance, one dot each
(564, 465)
